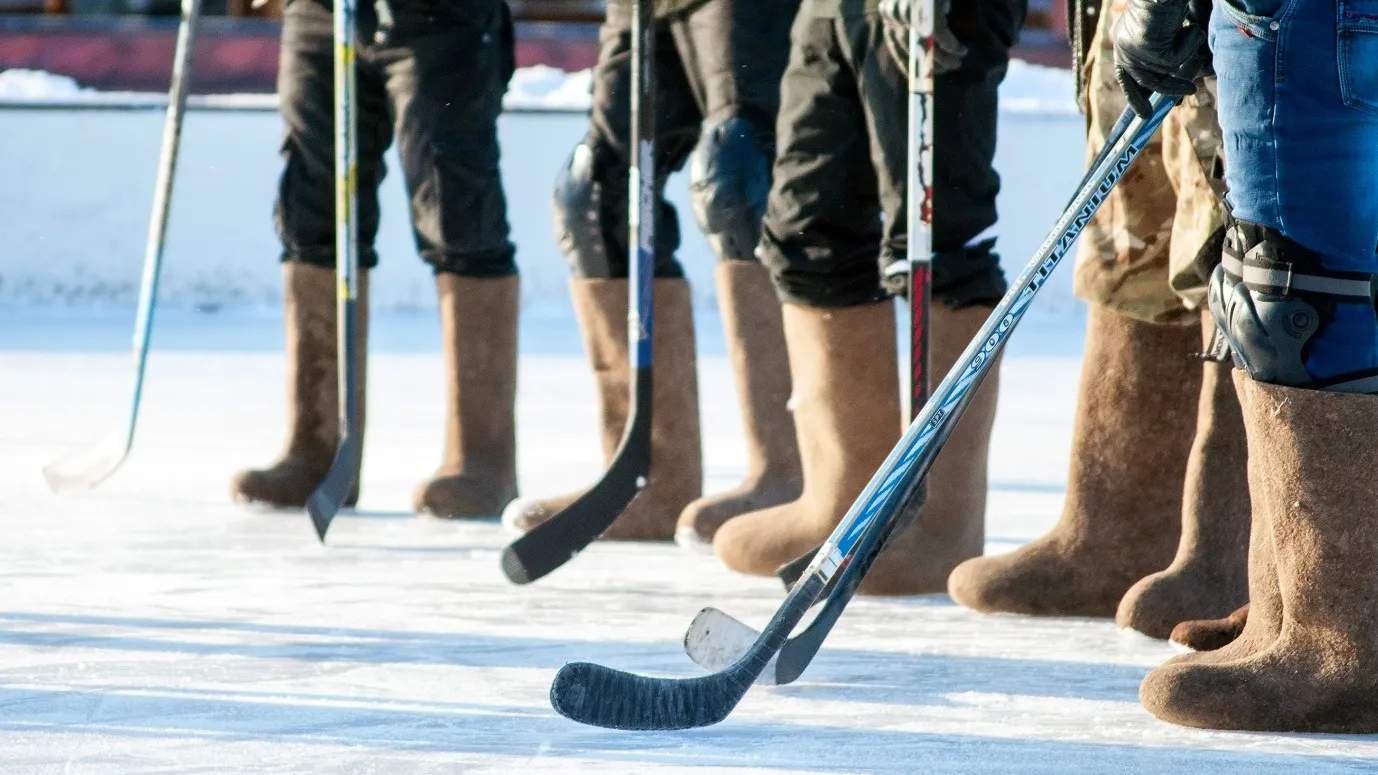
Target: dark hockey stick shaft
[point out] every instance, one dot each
(791, 571)
(90, 467)
(334, 489)
(911, 459)
(555, 541)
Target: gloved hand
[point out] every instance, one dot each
(947, 50)
(1160, 46)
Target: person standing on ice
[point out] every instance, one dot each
(718, 66)
(434, 75)
(1293, 298)
(837, 216)
(1154, 530)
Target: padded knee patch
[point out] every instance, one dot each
(729, 182)
(578, 216)
(1271, 297)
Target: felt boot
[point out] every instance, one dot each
(1310, 453)
(951, 528)
(1121, 521)
(478, 470)
(313, 391)
(676, 475)
(756, 344)
(846, 410)
(1211, 634)
(1209, 577)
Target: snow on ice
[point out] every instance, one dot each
(154, 627)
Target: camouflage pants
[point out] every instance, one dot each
(1138, 255)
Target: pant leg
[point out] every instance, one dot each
(447, 65)
(965, 184)
(609, 140)
(822, 228)
(305, 210)
(1124, 254)
(734, 53)
(1298, 85)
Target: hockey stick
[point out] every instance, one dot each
(555, 541)
(91, 466)
(332, 491)
(919, 237)
(790, 572)
(715, 639)
(601, 696)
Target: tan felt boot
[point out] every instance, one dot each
(1211, 634)
(952, 525)
(846, 406)
(1210, 575)
(676, 476)
(1311, 455)
(1121, 521)
(756, 344)
(478, 324)
(313, 391)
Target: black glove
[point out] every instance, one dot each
(947, 50)
(1160, 46)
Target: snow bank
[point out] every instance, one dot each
(76, 203)
(1028, 89)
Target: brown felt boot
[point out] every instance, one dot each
(1311, 454)
(1209, 578)
(756, 343)
(478, 472)
(313, 391)
(1121, 521)
(1211, 634)
(952, 526)
(846, 410)
(676, 476)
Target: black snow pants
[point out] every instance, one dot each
(837, 210)
(718, 67)
(437, 83)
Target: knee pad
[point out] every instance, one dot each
(729, 182)
(1272, 301)
(578, 215)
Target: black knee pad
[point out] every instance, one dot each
(578, 215)
(961, 278)
(729, 182)
(1270, 296)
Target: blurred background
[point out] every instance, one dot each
(127, 44)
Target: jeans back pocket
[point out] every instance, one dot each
(1357, 51)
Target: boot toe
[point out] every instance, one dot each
(760, 542)
(522, 515)
(285, 486)
(461, 497)
(1153, 607)
(1040, 579)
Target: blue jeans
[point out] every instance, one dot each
(1298, 106)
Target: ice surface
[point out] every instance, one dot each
(153, 627)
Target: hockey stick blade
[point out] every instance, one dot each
(83, 470)
(331, 493)
(716, 639)
(613, 699)
(555, 541)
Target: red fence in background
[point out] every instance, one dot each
(240, 55)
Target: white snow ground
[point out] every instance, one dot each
(153, 627)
